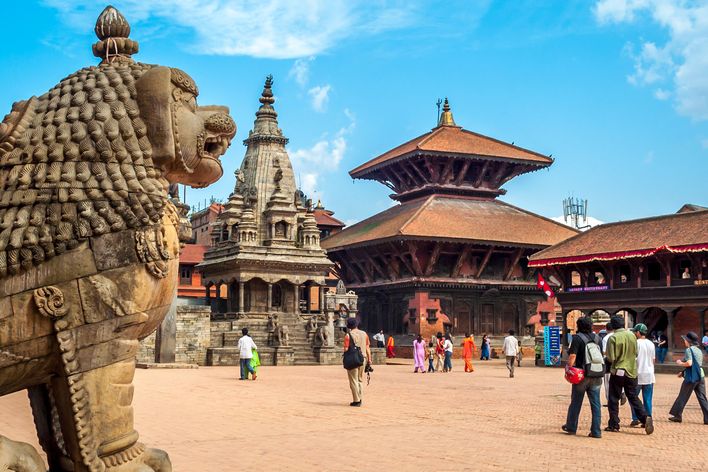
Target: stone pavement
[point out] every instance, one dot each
(298, 418)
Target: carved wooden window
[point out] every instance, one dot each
(185, 275)
(411, 315)
(432, 314)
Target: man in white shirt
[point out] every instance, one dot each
(511, 349)
(379, 338)
(246, 347)
(646, 353)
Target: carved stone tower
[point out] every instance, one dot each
(266, 262)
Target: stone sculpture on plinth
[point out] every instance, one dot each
(89, 245)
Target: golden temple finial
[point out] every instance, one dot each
(446, 118)
(112, 30)
(319, 205)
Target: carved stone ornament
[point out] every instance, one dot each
(50, 302)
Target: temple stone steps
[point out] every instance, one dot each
(224, 349)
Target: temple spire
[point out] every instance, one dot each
(112, 30)
(446, 118)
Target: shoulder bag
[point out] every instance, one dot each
(353, 357)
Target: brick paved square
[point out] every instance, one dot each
(298, 418)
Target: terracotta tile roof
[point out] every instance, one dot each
(192, 253)
(455, 140)
(324, 218)
(459, 218)
(634, 238)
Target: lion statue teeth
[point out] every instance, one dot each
(89, 245)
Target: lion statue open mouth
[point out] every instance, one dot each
(89, 245)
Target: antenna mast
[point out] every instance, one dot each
(575, 209)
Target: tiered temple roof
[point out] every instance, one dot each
(450, 160)
(447, 181)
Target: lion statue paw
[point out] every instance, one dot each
(20, 457)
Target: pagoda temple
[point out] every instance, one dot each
(266, 261)
(449, 256)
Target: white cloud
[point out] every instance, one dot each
(662, 94)
(278, 29)
(680, 62)
(322, 157)
(320, 96)
(300, 71)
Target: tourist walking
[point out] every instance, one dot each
(704, 341)
(511, 349)
(468, 348)
(486, 348)
(622, 354)
(390, 351)
(431, 356)
(662, 346)
(380, 339)
(606, 380)
(447, 348)
(645, 370)
(693, 379)
(356, 374)
(439, 352)
(419, 354)
(589, 386)
(245, 350)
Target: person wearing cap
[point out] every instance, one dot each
(356, 375)
(646, 354)
(693, 379)
(622, 354)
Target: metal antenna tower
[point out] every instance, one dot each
(574, 210)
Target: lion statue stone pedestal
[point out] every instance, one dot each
(89, 245)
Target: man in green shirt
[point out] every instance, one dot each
(622, 355)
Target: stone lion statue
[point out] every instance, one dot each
(89, 245)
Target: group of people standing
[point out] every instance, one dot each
(626, 359)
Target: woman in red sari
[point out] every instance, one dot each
(468, 349)
(389, 348)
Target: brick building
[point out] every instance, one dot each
(652, 270)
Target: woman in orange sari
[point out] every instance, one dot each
(389, 348)
(468, 349)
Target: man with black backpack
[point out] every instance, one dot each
(585, 354)
(356, 343)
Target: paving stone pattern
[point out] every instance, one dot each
(298, 419)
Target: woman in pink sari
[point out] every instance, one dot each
(419, 354)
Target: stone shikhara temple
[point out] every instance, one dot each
(268, 262)
(450, 256)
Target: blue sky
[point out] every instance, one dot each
(615, 90)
